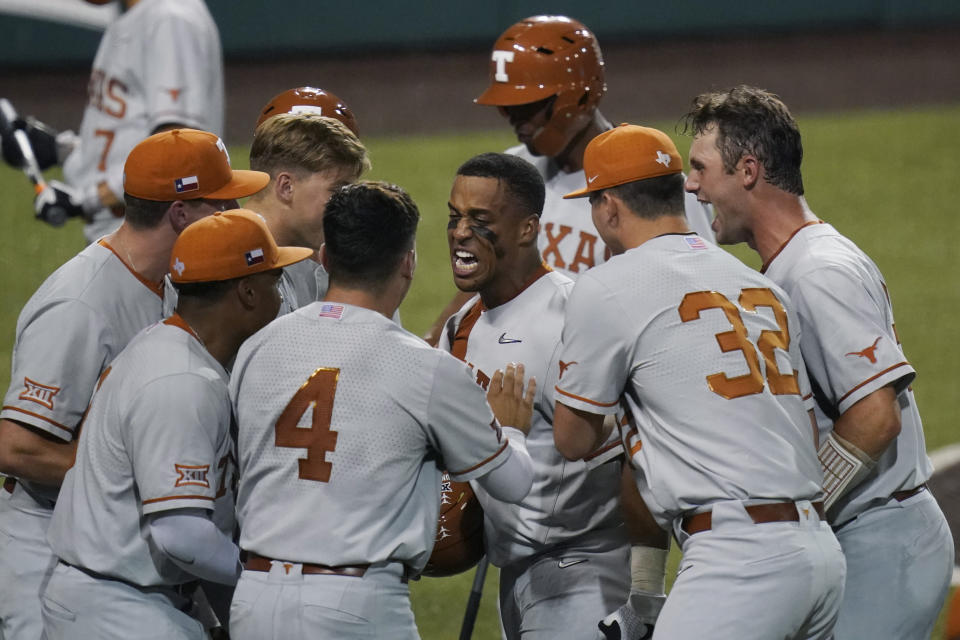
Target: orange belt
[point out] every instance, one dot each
(259, 563)
(759, 513)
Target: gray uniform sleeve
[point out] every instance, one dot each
(461, 425)
(177, 429)
(848, 340)
(177, 78)
(58, 357)
(595, 359)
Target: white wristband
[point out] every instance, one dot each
(648, 568)
(844, 466)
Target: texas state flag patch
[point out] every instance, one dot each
(254, 257)
(190, 183)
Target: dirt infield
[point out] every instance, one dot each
(411, 93)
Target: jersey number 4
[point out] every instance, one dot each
(317, 395)
(753, 381)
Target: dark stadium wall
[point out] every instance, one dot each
(249, 31)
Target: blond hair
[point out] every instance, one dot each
(306, 143)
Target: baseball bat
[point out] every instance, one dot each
(56, 215)
(473, 603)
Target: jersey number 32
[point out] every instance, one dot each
(736, 340)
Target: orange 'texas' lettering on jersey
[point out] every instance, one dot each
(564, 366)
(584, 255)
(42, 394)
(192, 474)
(869, 353)
(106, 94)
(553, 244)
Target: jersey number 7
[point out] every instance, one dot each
(316, 394)
(751, 382)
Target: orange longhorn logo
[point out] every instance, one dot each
(870, 353)
(564, 366)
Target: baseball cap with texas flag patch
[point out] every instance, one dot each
(626, 154)
(226, 245)
(186, 164)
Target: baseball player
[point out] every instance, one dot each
(699, 351)
(308, 156)
(563, 550)
(547, 79)
(159, 66)
(75, 324)
(345, 421)
(745, 159)
(156, 457)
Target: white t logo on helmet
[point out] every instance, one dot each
(502, 58)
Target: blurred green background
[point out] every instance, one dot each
(883, 178)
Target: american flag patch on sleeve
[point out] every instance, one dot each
(328, 310)
(695, 242)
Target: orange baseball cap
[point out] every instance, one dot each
(186, 164)
(232, 244)
(626, 154)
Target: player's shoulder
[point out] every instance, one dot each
(167, 349)
(540, 162)
(186, 10)
(815, 251)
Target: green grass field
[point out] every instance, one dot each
(882, 178)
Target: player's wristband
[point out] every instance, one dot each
(844, 466)
(648, 568)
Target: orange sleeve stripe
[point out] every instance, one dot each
(587, 400)
(598, 452)
(480, 464)
(152, 500)
(871, 379)
(38, 416)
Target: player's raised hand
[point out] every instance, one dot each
(505, 395)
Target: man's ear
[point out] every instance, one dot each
(408, 264)
(529, 230)
(750, 169)
(283, 187)
(178, 216)
(608, 208)
(246, 293)
(324, 258)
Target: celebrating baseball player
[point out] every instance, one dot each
(745, 159)
(699, 351)
(159, 66)
(308, 156)
(148, 506)
(79, 319)
(563, 550)
(345, 421)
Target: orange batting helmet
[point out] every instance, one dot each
(546, 56)
(310, 100)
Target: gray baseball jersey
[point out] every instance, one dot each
(566, 501)
(896, 540)
(851, 349)
(156, 438)
(704, 354)
(568, 241)
(302, 283)
(345, 421)
(159, 62)
(79, 319)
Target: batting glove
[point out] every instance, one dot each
(634, 620)
(48, 146)
(57, 202)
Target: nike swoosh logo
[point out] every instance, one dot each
(590, 180)
(563, 564)
(505, 340)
